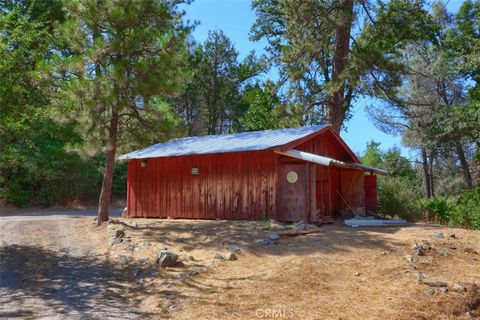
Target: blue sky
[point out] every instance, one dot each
(235, 18)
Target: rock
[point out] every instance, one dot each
(470, 250)
(266, 242)
(218, 256)
(412, 266)
(459, 287)
(419, 276)
(135, 224)
(166, 259)
(469, 314)
(445, 253)
(114, 240)
(124, 212)
(357, 274)
(419, 251)
(191, 258)
(409, 257)
(151, 273)
(231, 256)
(274, 237)
(143, 261)
(444, 290)
(452, 235)
(119, 233)
(430, 292)
(233, 248)
(384, 253)
(196, 271)
(172, 306)
(435, 283)
(438, 235)
(182, 276)
(302, 225)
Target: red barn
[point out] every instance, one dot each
(288, 174)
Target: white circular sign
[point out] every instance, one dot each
(292, 176)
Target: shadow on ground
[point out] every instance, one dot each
(191, 234)
(61, 284)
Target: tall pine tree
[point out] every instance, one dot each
(126, 57)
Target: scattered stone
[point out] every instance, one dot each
(459, 287)
(135, 224)
(445, 253)
(444, 290)
(470, 250)
(412, 266)
(166, 259)
(419, 276)
(124, 259)
(119, 233)
(113, 241)
(452, 235)
(274, 237)
(143, 261)
(469, 314)
(191, 258)
(430, 292)
(435, 283)
(196, 271)
(438, 235)
(218, 256)
(266, 242)
(231, 256)
(233, 248)
(182, 276)
(172, 306)
(357, 274)
(409, 257)
(419, 251)
(384, 253)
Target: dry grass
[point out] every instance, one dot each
(307, 277)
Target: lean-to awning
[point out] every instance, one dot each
(325, 161)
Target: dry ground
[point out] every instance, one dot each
(337, 273)
(307, 277)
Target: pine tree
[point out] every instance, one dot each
(125, 58)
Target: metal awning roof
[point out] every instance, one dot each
(326, 161)
(245, 141)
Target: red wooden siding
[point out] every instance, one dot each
(229, 186)
(249, 185)
(371, 193)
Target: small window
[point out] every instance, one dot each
(195, 171)
(292, 177)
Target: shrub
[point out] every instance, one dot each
(398, 197)
(462, 210)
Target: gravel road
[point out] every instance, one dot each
(50, 268)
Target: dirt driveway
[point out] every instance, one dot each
(51, 267)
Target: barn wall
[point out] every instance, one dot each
(229, 186)
(326, 145)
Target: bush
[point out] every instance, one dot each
(462, 210)
(398, 197)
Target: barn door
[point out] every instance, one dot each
(292, 200)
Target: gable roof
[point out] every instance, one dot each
(238, 142)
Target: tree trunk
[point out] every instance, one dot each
(426, 172)
(106, 192)
(467, 176)
(336, 112)
(430, 168)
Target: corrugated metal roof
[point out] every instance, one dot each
(245, 141)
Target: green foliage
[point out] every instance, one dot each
(398, 193)
(212, 101)
(461, 210)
